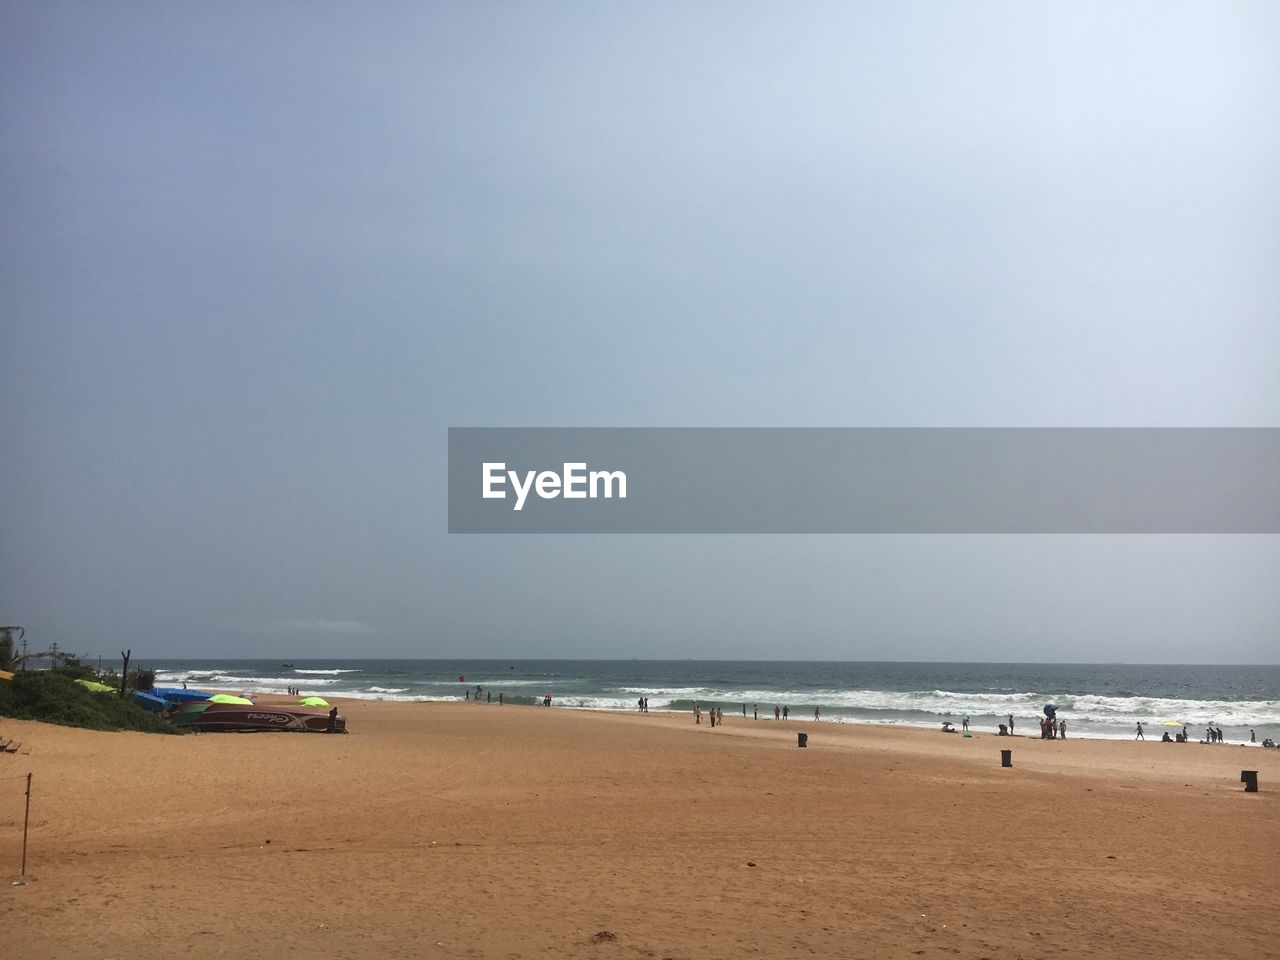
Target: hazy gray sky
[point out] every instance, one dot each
(257, 258)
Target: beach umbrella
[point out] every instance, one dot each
(314, 702)
(227, 698)
(1050, 709)
(1173, 723)
(95, 686)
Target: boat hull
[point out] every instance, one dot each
(232, 717)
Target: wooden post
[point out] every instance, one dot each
(26, 818)
(124, 674)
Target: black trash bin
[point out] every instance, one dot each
(803, 739)
(1006, 758)
(1250, 780)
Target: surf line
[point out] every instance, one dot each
(574, 482)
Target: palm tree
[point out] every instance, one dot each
(7, 658)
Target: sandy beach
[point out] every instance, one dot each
(464, 830)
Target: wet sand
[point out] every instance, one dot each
(467, 830)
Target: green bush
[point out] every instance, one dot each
(54, 698)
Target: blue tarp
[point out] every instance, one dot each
(150, 702)
(178, 695)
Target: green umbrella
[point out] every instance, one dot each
(95, 686)
(314, 702)
(227, 698)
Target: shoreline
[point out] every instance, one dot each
(282, 699)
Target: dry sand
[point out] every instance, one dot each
(464, 830)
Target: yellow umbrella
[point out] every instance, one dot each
(227, 698)
(314, 702)
(1173, 723)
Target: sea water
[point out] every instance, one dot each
(1096, 700)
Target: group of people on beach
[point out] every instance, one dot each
(714, 714)
(643, 704)
(1211, 735)
(488, 695)
(781, 712)
(1051, 730)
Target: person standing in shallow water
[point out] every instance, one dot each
(755, 711)
(1139, 735)
(1062, 729)
(964, 724)
(1011, 724)
(786, 710)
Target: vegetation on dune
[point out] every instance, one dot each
(54, 697)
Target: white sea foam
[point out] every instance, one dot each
(388, 689)
(173, 676)
(593, 703)
(945, 703)
(327, 671)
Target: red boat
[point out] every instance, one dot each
(223, 717)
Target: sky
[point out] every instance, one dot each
(258, 258)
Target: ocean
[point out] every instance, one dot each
(1096, 700)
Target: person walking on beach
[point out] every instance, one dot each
(1251, 737)
(744, 711)
(640, 704)
(755, 711)
(1139, 735)
(499, 698)
(1011, 724)
(817, 713)
(697, 713)
(777, 713)
(712, 717)
(964, 724)
(646, 704)
(785, 711)
(1062, 729)
(1220, 740)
